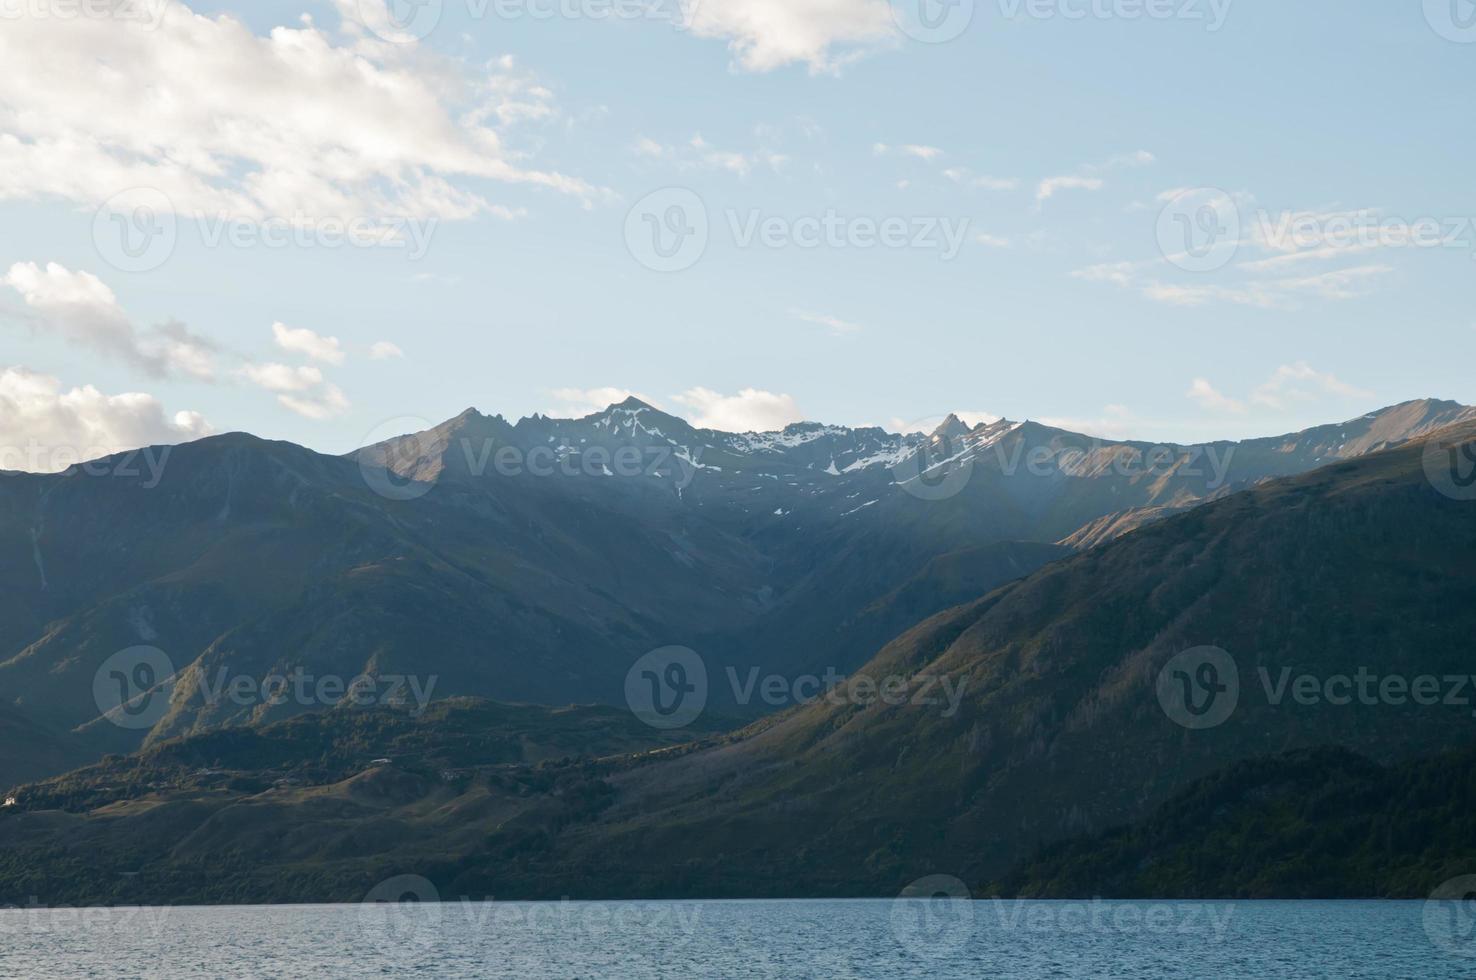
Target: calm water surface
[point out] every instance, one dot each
(831, 939)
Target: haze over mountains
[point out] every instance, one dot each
(536, 561)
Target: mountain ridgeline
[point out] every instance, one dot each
(536, 561)
(1032, 719)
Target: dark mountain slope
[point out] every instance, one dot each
(1361, 564)
(545, 579)
(1059, 730)
(1322, 823)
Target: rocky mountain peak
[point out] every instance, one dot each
(952, 428)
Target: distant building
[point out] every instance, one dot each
(11, 801)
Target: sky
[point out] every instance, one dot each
(330, 221)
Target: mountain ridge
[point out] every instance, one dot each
(1059, 730)
(762, 550)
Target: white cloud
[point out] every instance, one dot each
(81, 309)
(1117, 273)
(579, 402)
(226, 122)
(1258, 290)
(698, 154)
(1269, 250)
(1140, 158)
(307, 343)
(1339, 283)
(44, 428)
(918, 150)
(383, 350)
(326, 403)
(1289, 384)
(1082, 181)
(751, 410)
(647, 147)
(514, 95)
(300, 389)
(768, 34)
(966, 177)
(1205, 394)
(281, 377)
(1116, 422)
(1282, 293)
(1254, 294)
(836, 326)
(1048, 187)
(1300, 382)
(992, 241)
(1278, 262)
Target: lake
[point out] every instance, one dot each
(736, 939)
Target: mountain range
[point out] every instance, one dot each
(537, 561)
(1039, 607)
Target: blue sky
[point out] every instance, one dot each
(1040, 171)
